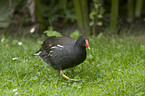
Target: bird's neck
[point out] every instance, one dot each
(79, 50)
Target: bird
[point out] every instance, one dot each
(64, 52)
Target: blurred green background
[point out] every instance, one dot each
(65, 16)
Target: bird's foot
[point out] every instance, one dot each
(69, 79)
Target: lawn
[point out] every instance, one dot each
(115, 66)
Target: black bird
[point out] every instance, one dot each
(64, 52)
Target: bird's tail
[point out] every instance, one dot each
(43, 54)
(38, 52)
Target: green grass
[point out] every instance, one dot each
(114, 67)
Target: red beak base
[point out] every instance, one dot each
(87, 43)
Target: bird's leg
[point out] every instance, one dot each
(68, 77)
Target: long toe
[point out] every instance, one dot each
(69, 79)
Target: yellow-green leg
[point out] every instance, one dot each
(68, 77)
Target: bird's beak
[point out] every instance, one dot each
(87, 43)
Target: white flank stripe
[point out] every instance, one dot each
(50, 51)
(53, 47)
(60, 46)
(38, 53)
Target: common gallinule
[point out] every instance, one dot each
(64, 52)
